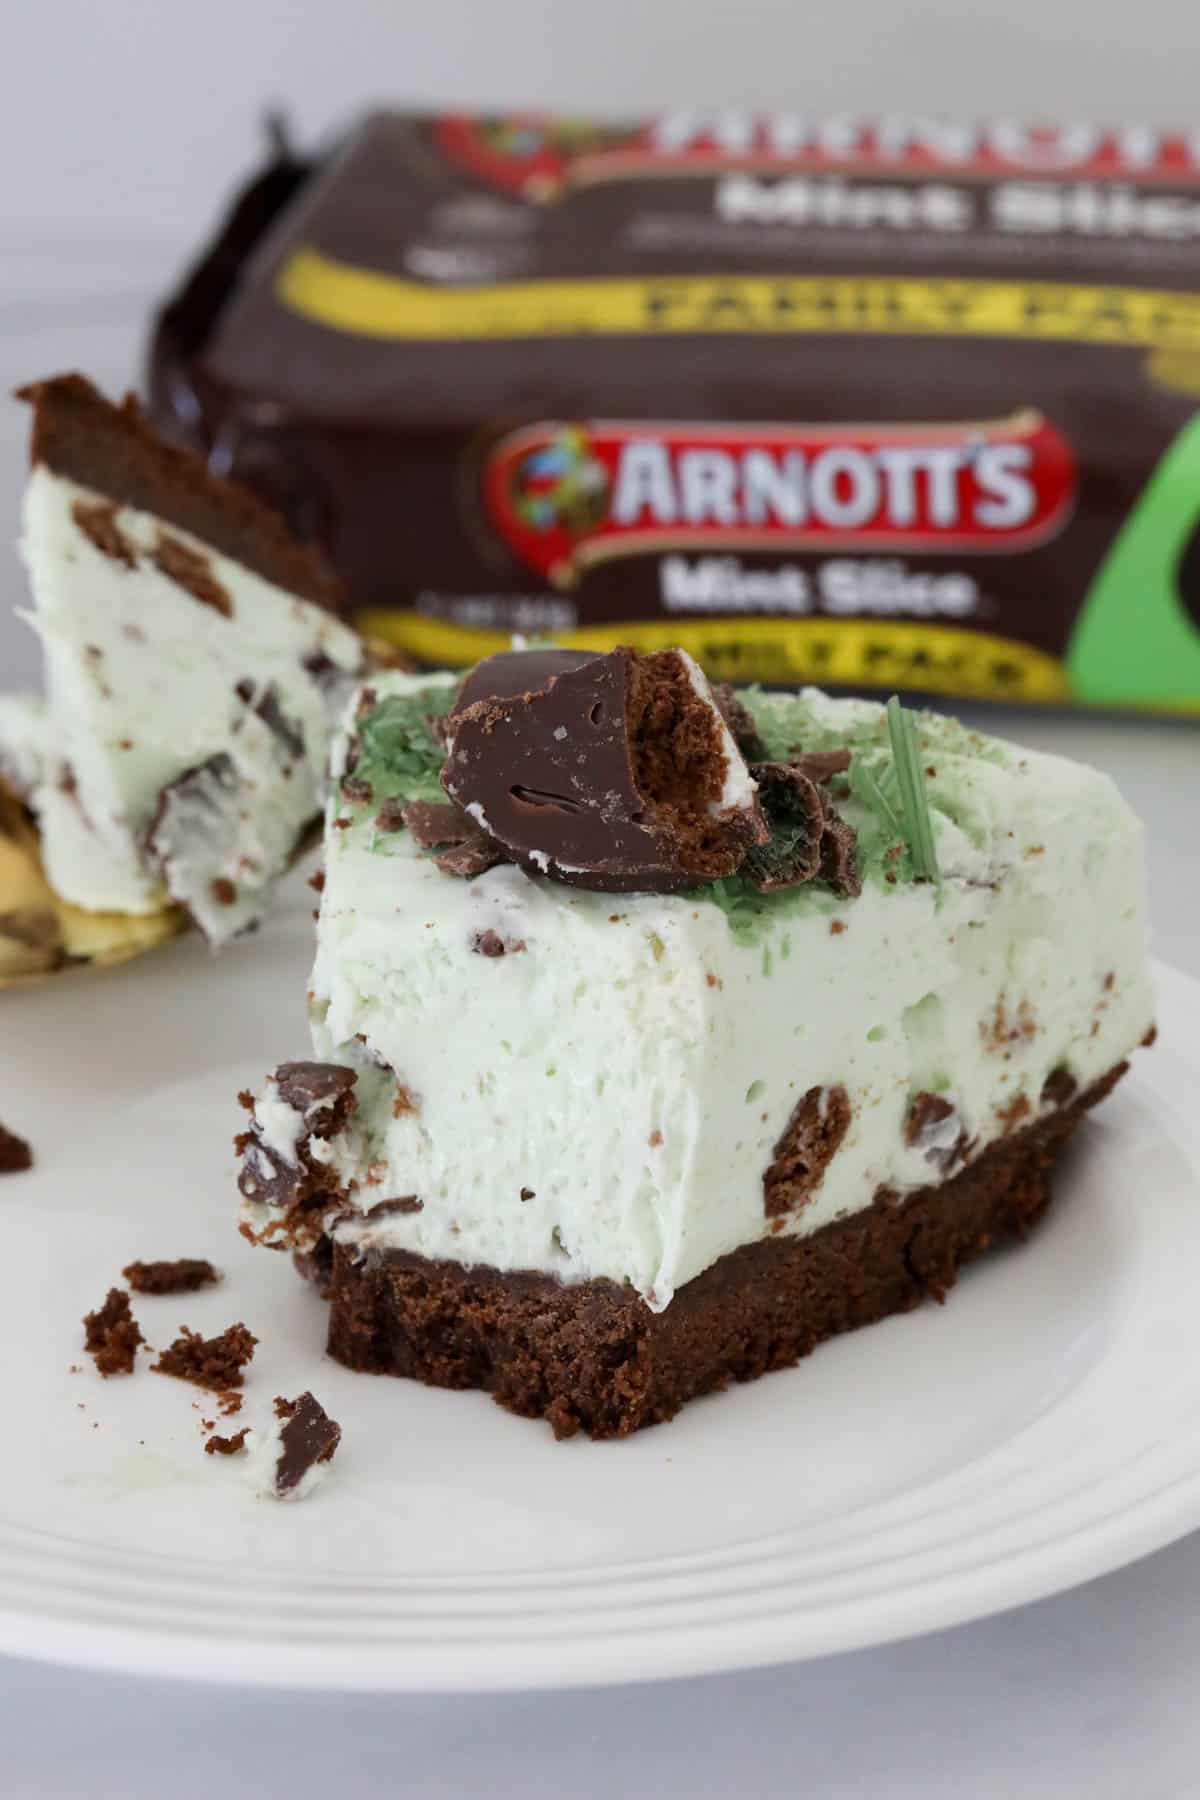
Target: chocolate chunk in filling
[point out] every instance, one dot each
(932, 1124)
(304, 1085)
(613, 772)
(98, 522)
(195, 829)
(387, 1209)
(1059, 1088)
(811, 1139)
(191, 570)
(490, 943)
(267, 706)
(293, 1189)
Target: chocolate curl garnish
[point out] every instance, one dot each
(819, 765)
(458, 845)
(740, 720)
(839, 855)
(793, 809)
(809, 840)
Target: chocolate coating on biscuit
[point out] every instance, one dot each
(602, 771)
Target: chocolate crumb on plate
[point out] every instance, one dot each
(183, 1275)
(227, 1446)
(111, 1334)
(15, 1153)
(215, 1363)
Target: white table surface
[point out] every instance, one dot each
(1093, 1693)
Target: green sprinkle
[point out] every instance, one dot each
(658, 948)
(398, 755)
(754, 1090)
(910, 781)
(876, 1034)
(767, 959)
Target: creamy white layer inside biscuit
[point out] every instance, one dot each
(260, 1472)
(739, 789)
(141, 686)
(603, 1098)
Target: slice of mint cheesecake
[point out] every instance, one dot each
(191, 654)
(660, 1032)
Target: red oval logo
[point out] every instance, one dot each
(564, 495)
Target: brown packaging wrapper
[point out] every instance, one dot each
(854, 404)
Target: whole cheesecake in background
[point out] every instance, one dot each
(600, 1143)
(192, 653)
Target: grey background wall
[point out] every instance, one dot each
(131, 114)
(123, 124)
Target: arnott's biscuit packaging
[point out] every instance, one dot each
(883, 404)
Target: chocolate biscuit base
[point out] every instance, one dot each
(81, 435)
(593, 1357)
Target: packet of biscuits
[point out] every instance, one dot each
(875, 403)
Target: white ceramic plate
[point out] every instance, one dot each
(1041, 1428)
